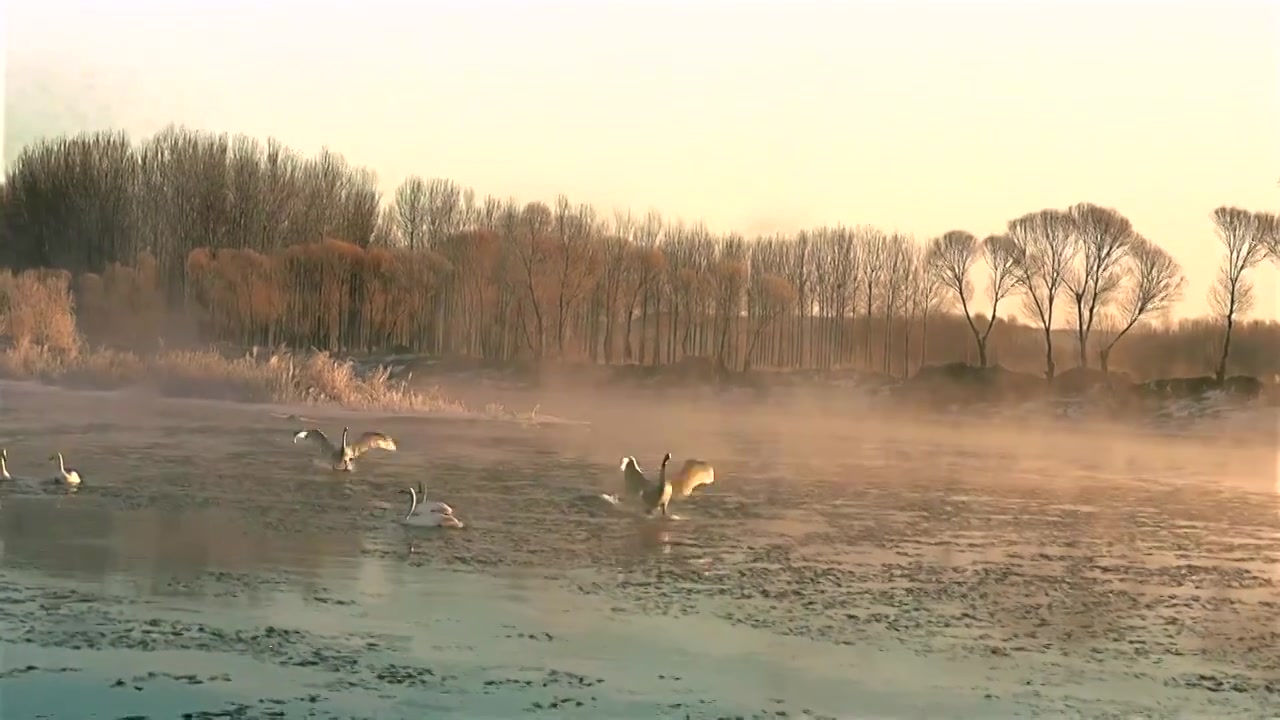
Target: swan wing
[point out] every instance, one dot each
(435, 506)
(370, 441)
(432, 520)
(634, 481)
(692, 474)
(322, 442)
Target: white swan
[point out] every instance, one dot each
(653, 496)
(341, 457)
(693, 474)
(438, 515)
(66, 475)
(434, 506)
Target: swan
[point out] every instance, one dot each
(341, 457)
(653, 496)
(66, 475)
(434, 518)
(4, 468)
(434, 506)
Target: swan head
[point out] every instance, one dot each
(666, 458)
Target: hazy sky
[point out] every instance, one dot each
(751, 115)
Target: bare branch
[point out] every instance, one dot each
(952, 257)
(1045, 243)
(1103, 236)
(411, 211)
(1156, 283)
(1244, 235)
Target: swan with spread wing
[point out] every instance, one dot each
(652, 495)
(342, 457)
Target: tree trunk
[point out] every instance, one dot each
(924, 340)
(1049, 367)
(1221, 373)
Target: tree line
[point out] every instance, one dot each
(265, 246)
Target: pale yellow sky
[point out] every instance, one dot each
(751, 115)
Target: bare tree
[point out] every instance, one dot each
(617, 246)
(769, 296)
(897, 277)
(730, 274)
(412, 207)
(1244, 235)
(1045, 243)
(444, 210)
(800, 276)
(1103, 236)
(924, 294)
(1271, 236)
(647, 264)
(1155, 284)
(840, 283)
(385, 234)
(872, 246)
(575, 250)
(952, 257)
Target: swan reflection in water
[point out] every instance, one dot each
(653, 537)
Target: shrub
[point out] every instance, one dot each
(37, 314)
